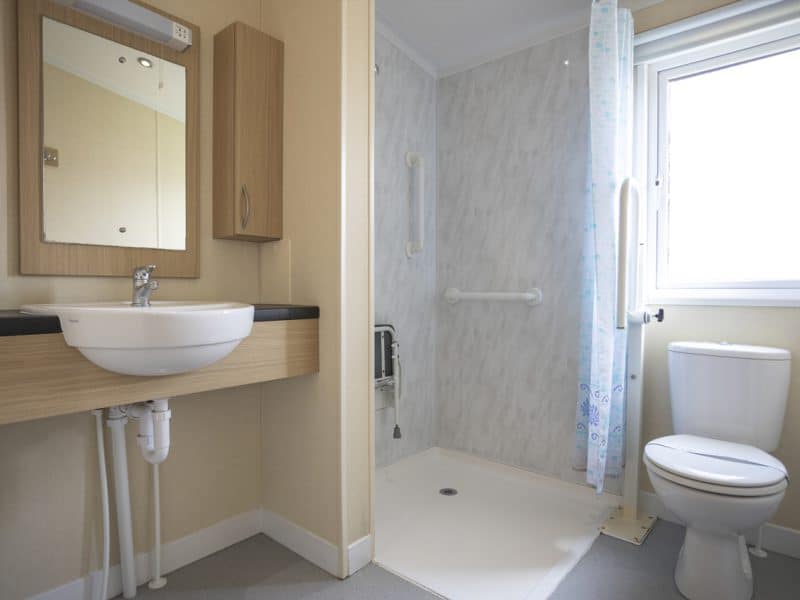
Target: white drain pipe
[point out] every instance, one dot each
(117, 419)
(153, 437)
(101, 461)
(156, 581)
(154, 441)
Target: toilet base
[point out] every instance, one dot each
(713, 566)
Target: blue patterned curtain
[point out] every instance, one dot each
(600, 423)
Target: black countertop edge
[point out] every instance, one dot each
(13, 322)
(284, 312)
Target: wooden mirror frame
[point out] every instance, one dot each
(38, 257)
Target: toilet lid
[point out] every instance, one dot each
(715, 461)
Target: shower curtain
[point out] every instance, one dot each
(600, 422)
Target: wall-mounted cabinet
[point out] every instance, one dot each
(248, 135)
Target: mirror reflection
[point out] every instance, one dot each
(114, 156)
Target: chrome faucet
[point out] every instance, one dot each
(143, 286)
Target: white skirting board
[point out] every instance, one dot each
(310, 546)
(175, 554)
(359, 554)
(197, 545)
(776, 538)
(315, 549)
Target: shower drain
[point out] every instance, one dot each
(448, 491)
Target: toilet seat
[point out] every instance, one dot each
(710, 488)
(716, 466)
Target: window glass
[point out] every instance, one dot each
(732, 175)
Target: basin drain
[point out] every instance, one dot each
(448, 491)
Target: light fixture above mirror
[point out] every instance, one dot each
(138, 19)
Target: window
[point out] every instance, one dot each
(724, 176)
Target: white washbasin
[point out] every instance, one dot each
(161, 339)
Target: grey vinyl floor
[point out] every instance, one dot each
(616, 570)
(261, 569)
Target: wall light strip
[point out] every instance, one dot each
(136, 19)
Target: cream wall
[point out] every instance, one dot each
(357, 99)
(316, 429)
(49, 524)
(752, 325)
(302, 425)
(669, 11)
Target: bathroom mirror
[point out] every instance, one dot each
(114, 129)
(108, 147)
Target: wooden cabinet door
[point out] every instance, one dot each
(250, 134)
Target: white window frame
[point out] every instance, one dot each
(699, 45)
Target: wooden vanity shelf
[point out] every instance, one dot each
(40, 376)
(248, 135)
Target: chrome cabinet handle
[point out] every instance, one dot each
(246, 210)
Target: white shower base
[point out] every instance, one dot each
(508, 534)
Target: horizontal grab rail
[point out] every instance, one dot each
(532, 297)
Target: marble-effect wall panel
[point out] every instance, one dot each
(405, 288)
(513, 147)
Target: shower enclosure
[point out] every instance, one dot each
(480, 496)
(506, 159)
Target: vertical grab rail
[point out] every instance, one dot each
(628, 259)
(628, 190)
(414, 246)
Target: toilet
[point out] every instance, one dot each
(716, 474)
